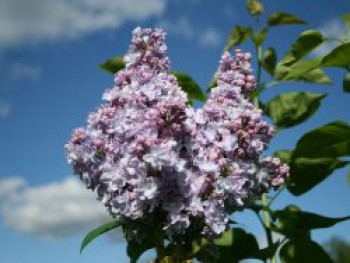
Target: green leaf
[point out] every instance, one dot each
(234, 245)
(238, 36)
(295, 223)
(190, 86)
(255, 7)
(338, 57)
(306, 173)
(303, 66)
(285, 155)
(260, 36)
(290, 109)
(346, 82)
(113, 65)
(303, 250)
(331, 140)
(97, 232)
(306, 42)
(269, 60)
(135, 249)
(278, 19)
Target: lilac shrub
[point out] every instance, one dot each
(152, 158)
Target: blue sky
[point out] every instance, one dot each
(49, 81)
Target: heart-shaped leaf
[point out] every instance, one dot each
(303, 250)
(293, 222)
(306, 173)
(331, 140)
(290, 109)
(277, 19)
(234, 245)
(97, 232)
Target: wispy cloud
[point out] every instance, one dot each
(55, 210)
(211, 37)
(331, 29)
(5, 109)
(207, 37)
(23, 23)
(19, 70)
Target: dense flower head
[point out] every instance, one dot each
(150, 156)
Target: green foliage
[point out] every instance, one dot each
(306, 173)
(269, 60)
(190, 86)
(135, 249)
(238, 36)
(278, 19)
(315, 156)
(290, 109)
(113, 64)
(294, 223)
(255, 7)
(331, 140)
(235, 245)
(303, 250)
(346, 82)
(285, 155)
(97, 232)
(338, 57)
(260, 36)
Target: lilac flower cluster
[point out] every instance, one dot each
(146, 153)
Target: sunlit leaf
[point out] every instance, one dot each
(331, 140)
(346, 82)
(97, 232)
(303, 250)
(306, 42)
(238, 36)
(234, 245)
(277, 19)
(113, 65)
(290, 109)
(260, 36)
(306, 173)
(293, 222)
(338, 57)
(285, 155)
(255, 7)
(190, 86)
(269, 60)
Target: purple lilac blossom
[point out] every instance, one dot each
(145, 151)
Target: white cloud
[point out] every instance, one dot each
(331, 29)
(182, 27)
(211, 37)
(23, 22)
(5, 109)
(55, 210)
(19, 70)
